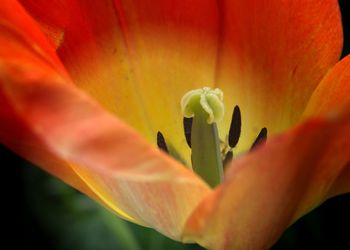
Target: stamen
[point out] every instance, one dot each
(228, 158)
(235, 128)
(161, 142)
(202, 109)
(187, 122)
(260, 139)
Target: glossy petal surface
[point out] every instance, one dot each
(332, 94)
(136, 58)
(266, 57)
(273, 55)
(46, 119)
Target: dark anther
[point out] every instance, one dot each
(228, 158)
(161, 142)
(261, 138)
(235, 128)
(187, 122)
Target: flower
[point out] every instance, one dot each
(86, 85)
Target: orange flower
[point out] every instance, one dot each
(86, 85)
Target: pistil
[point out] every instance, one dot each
(206, 107)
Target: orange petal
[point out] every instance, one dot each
(268, 189)
(342, 183)
(332, 94)
(273, 55)
(146, 55)
(22, 41)
(47, 120)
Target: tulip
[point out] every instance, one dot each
(86, 86)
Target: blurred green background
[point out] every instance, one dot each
(40, 212)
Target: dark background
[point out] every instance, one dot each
(39, 212)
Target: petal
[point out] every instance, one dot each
(137, 59)
(21, 40)
(15, 23)
(333, 92)
(47, 120)
(272, 57)
(268, 189)
(342, 183)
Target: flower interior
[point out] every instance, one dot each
(202, 109)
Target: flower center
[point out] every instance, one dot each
(203, 109)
